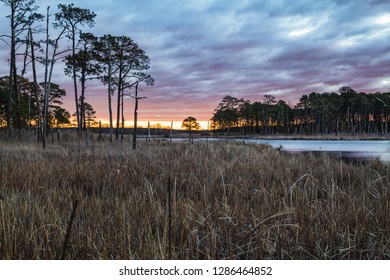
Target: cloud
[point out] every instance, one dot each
(202, 50)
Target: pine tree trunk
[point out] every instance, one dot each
(35, 89)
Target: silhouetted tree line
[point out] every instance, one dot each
(345, 111)
(116, 61)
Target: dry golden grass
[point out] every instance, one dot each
(228, 201)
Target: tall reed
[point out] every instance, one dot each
(224, 201)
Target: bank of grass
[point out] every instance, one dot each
(228, 201)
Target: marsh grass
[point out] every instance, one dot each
(227, 201)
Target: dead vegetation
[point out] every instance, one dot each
(228, 201)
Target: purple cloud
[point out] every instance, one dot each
(203, 50)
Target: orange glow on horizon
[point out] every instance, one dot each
(144, 124)
(154, 124)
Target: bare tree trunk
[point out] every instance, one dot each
(82, 118)
(109, 95)
(123, 117)
(9, 102)
(17, 98)
(10, 87)
(118, 110)
(35, 89)
(110, 110)
(78, 117)
(46, 96)
(25, 56)
(14, 89)
(135, 118)
(148, 131)
(170, 136)
(49, 75)
(12, 95)
(15, 81)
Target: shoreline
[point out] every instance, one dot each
(358, 137)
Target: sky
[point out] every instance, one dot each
(202, 50)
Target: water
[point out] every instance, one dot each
(359, 149)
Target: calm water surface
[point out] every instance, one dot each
(360, 149)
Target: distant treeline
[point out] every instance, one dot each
(345, 111)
